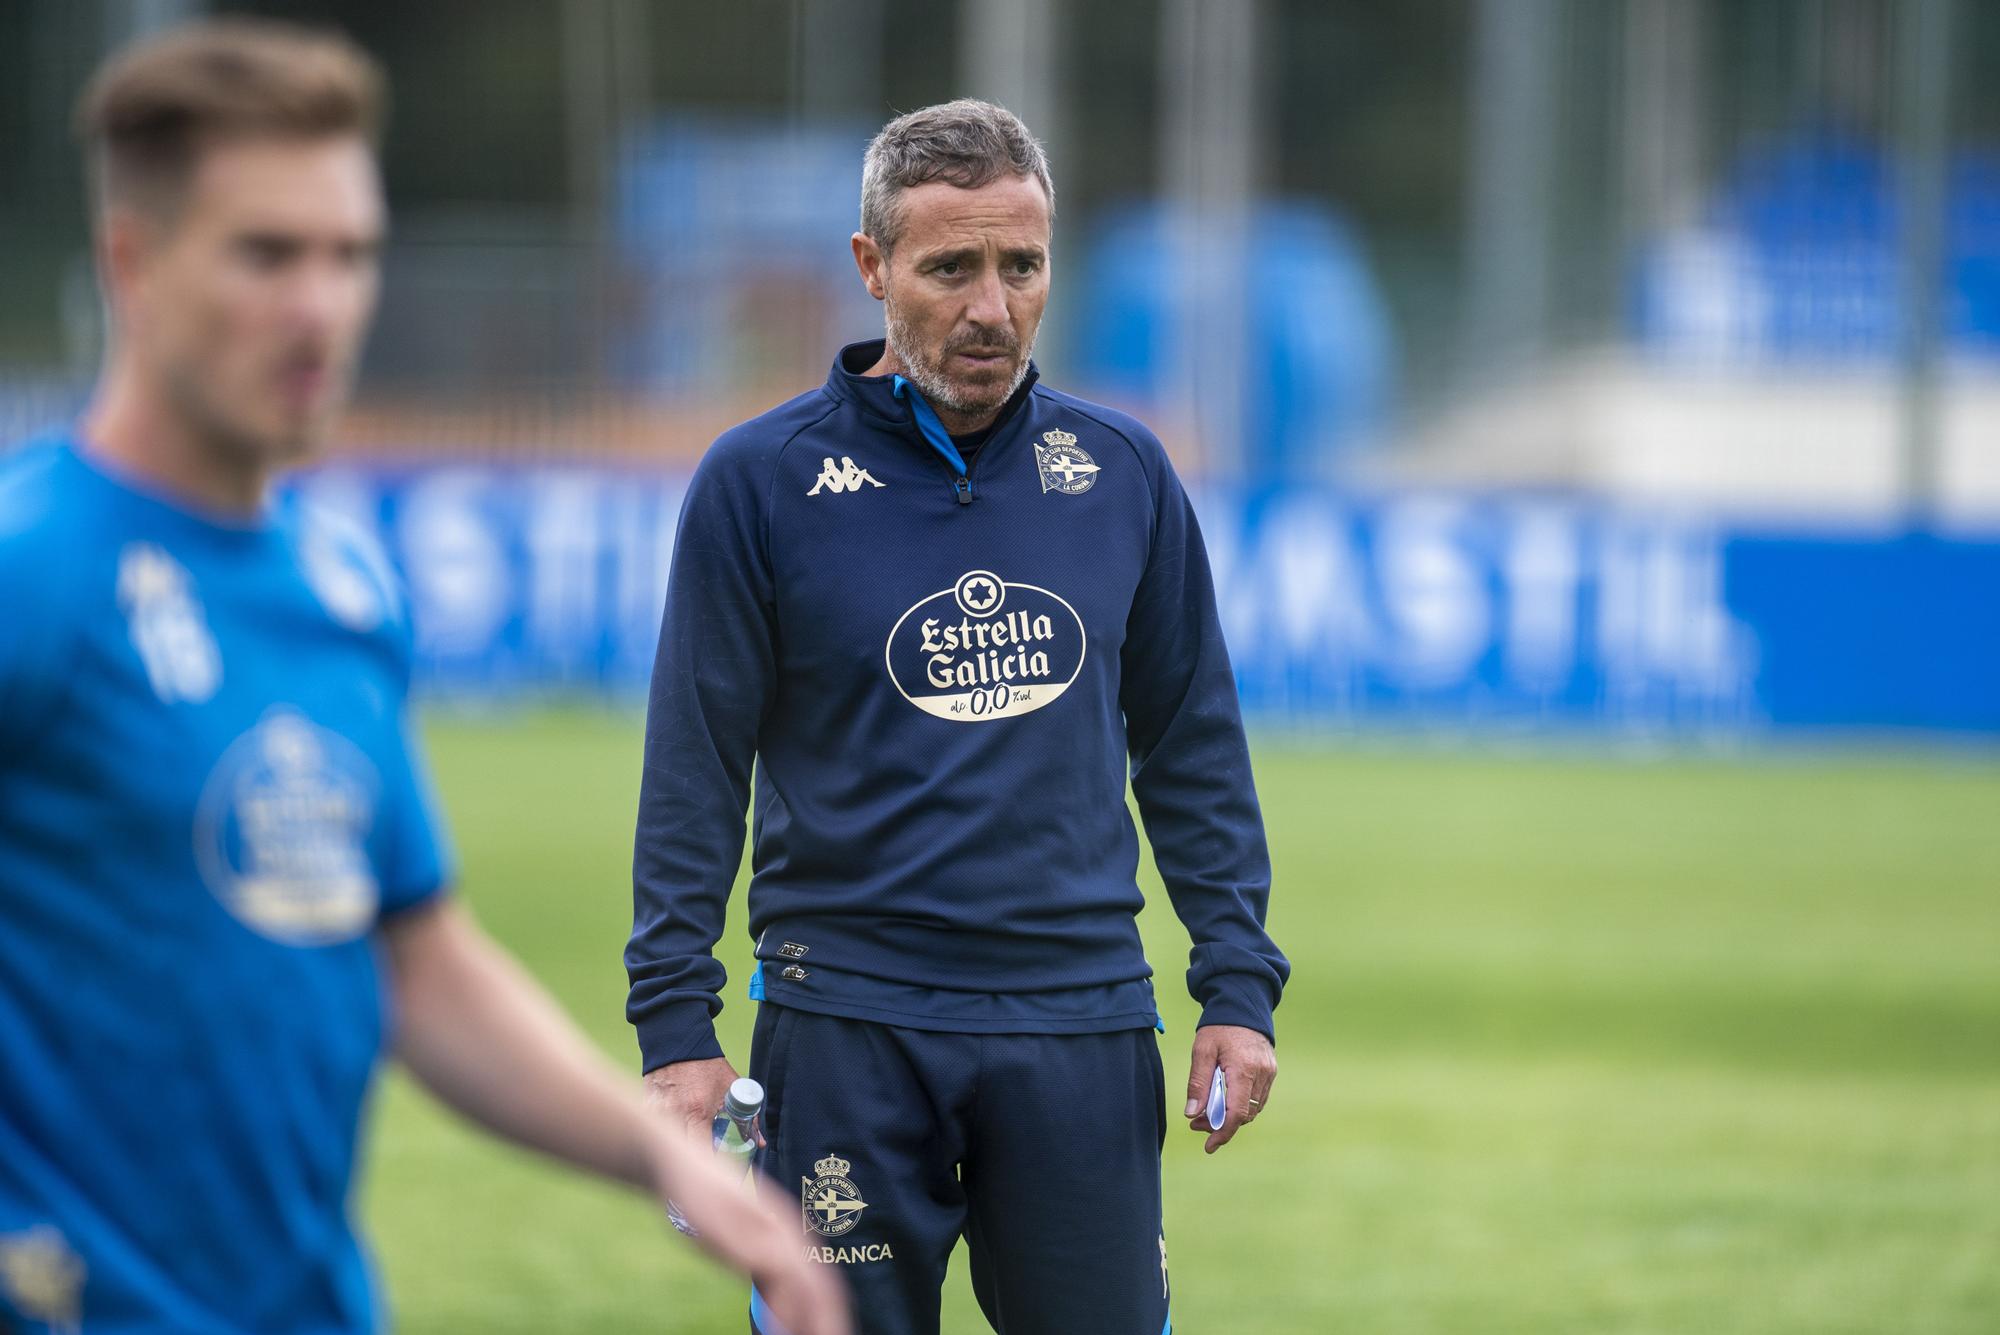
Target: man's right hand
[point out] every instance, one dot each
(690, 1094)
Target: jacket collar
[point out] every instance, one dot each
(876, 395)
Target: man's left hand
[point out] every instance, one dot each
(1249, 1065)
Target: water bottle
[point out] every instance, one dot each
(739, 1133)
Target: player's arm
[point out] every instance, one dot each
(484, 1037)
(713, 682)
(1191, 776)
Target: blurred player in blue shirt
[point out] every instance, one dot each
(222, 881)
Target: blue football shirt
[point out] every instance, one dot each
(209, 799)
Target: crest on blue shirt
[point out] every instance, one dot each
(1065, 465)
(168, 626)
(42, 1277)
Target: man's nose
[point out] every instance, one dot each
(989, 302)
(324, 296)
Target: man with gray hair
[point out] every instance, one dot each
(938, 613)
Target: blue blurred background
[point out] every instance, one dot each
(1626, 365)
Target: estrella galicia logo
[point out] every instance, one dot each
(985, 649)
(281, 832)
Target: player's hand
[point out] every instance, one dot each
(754, 1230)
(804, 1297)
(690, 1094)
(1249, 1066)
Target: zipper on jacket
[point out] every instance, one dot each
(939, 439)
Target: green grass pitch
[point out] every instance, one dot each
(1574, 1043)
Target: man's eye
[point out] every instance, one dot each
(267, 252)
(951, 268)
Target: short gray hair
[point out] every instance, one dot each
(966, 143)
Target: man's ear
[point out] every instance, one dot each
(872, 263)
(126, 239)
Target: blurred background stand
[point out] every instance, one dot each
(1497, 337)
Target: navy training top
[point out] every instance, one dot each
(948, 673)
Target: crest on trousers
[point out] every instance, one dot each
(831, 1202)
(1065, 465)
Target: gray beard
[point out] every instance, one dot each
(930, 379)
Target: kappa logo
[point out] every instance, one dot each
(345, 572)
(847, 476)
(1065, 466)
(832, 1203)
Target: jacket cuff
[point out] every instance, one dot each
(1238, 999)
(680, 1031)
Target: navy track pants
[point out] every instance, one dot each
(1041, 1150)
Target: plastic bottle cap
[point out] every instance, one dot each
(746, 1099)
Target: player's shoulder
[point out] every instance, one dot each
(38, 496)
(52, 552)
(30, 485)
(1103, 423)
(753, 447)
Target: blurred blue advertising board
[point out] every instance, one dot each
(1448, 609)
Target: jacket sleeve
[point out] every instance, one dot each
(1191, 772)
(712, 685)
